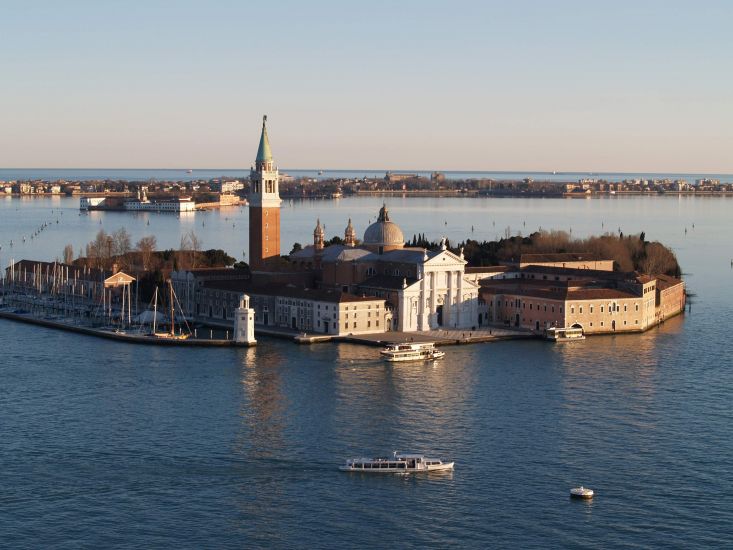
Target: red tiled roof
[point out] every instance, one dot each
(288, 291)
(488, 269)
(554, 290)
(559, 257)
(665, 281)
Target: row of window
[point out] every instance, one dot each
(517, 303)
(612, 308)
(355, 325)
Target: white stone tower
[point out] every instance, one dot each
(244, 322)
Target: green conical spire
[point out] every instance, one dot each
(263, 151)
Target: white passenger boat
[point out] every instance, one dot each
(400, 463)
(411, 351)
(581, 492)
(565, 334)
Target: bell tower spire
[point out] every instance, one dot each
(350, 235)
(264, 205)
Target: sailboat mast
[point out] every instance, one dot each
(173, 319)
(155, 309)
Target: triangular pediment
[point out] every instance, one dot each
(118, 279)
(445, 257)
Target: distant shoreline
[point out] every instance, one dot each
(179, 174)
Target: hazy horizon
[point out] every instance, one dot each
(473, 87)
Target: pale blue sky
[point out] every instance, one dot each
(520, 85)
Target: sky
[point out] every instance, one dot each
(626, 86)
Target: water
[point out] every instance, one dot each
(112, 445)
(181, 174)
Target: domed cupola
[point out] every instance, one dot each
(318, 236)
(383, 235)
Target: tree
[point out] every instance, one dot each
(146, 247)
(121, 246)
(99, 251)
(196, 244)
(68, 254)
(659, 259)
(121, 242)
(296, 248)
(188, 252)
(334, 240)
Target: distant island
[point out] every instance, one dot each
(212, 191)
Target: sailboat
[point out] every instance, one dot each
(172, 333)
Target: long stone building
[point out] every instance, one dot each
(597, 301)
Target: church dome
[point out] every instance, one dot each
(383, 234)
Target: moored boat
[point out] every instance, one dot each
(411, 351)
(564, 334)
(581, 492)
(400, 463)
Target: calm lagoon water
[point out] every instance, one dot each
(112, 445)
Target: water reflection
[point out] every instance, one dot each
(263, 407)
(400, 406)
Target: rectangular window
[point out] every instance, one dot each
(591, 309)
(376, 323)
(572, 309)
(581, 309)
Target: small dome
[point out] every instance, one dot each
(384, 233)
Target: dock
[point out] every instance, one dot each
(442, 337)
(65, 324)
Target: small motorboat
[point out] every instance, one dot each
(581, 492)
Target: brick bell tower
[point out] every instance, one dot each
(264, 206)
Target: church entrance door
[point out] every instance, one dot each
(439, 311)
